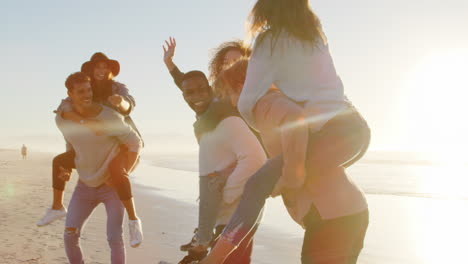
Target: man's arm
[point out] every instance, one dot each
(168, 58)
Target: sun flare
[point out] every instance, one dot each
(438, 93)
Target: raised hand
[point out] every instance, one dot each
(169, 52)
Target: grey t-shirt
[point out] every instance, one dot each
(93, 152)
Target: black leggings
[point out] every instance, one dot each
(118, 174)
(333, 241)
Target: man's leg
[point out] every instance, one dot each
(80, 208)
(115, 215)
(211, 197)
(333, 241)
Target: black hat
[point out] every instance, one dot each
(88, 66)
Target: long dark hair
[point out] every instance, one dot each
(293, 16)
(217, 62)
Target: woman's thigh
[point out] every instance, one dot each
(341, 142)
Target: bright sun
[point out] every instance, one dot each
(438, 98)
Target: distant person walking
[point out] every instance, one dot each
(24, 151)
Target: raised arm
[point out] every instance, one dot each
(168, 58)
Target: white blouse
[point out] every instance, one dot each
(302, 71)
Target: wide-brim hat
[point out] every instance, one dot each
(88, 66)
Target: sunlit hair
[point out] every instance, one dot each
(76, 78)
(293, 16)
(217, 62)
(232, 79)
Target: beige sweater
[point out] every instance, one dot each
(94, 153)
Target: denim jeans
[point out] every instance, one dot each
(211, 198)
(82, 204)
(257, 189)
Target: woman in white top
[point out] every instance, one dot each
(291, 52)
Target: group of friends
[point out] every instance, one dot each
(270, 121)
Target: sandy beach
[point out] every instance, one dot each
(25, 194)
(402, 230)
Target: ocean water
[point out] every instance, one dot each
(418, 209)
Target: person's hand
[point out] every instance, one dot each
(169, 51)
(64, 174)
(115, 100)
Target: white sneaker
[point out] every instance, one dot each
(136, 232)
(51, 215)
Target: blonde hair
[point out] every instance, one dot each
(293, 16)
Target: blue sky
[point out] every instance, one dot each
(401, 61)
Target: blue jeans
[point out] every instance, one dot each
(257, 189)
(82, 204)
(211, 198)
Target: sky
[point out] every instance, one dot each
(403, 63)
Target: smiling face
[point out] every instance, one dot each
(102, 72)
(197, 93)
(81, 94)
